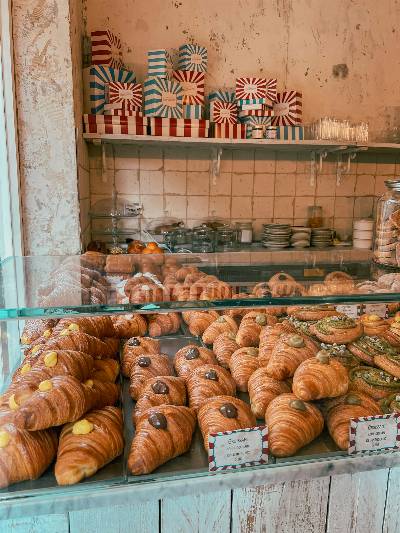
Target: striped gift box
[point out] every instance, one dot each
(99, 76)
(159, 64)
(192, 85)
(271, 89)
(251, 89)
(106, 49)
(265, 111)
(123, 113)
(192, 57)
(229, 131)
(254, 121)
(129, 95)
(290, 133)
(224, 95)
(193, 111)
(172, 127)
(115, 124)
(223, 112)
(163, 98)
(287, 109)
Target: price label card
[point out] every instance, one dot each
(241, 448)
(376, 309)
(374, 433)
(351, 310)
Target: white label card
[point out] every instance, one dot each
(351, 310)
(376, 309)
(374, 433)
(238, 449)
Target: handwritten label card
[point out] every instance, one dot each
(374, 433)
(351, 310)
(238, 449)
(376, 309)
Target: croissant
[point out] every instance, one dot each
(250, 327)
(162, 433)
(312, 312)
(337, 330)
(292, 424)
(373, 381)
(166, 390)
(127, 326)
(24, 454)
(190, 357)
(320, 377)
(164, 324)
(268, 338)
(146, 367)
(290, 350)
(207, 381)
(224, 346)
(370, 349)
(198, 321)
(217, 290)
(105, 370)
(147, 293)
(242, 364)
(196, 288)
(221, 325)
(89, 444)
(96, 326)
(135, 347)
(34, 329)
(353, 405)
(184, 271)
(224, 413)
(263, 389)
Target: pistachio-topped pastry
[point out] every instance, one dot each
(337, 329)
(391, 404)
(341, 354)
(373, 381)
(367, 348)
(301, 326)
(312, 312)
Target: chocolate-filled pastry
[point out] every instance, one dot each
(312, 312)
(96, 326)
(337, 329)
(36, 328)
(89, 444)
(242, 364)
(164, 324)
(390, 404)
(339, 413)
(224, 346)
(373, 381)
(105, 370)
(25, 454)
(145, 367)
(224, 413)
(190, 357)
(250, 327)
(263, 389)
(221, 325)
(165, 390)
(289, 351)
(198, 321)
(374, 325)
(134, 348)
(127, 326)
(207, 381)
(282, 284)
(367, 348)
(320, 377)
(162, 433)
(292, 424)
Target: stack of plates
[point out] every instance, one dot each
(276, 236)
(321, 237)
(300, 237)
(363, 233)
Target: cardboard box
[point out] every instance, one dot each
(287, 109)
(96, 79)
(159, 64)
(229, 131)
(106, 49)
(193, 111)
(271, 89)
(192, 85)
(224, 95)
(193, 57)
(290, 133)
(109, 124)
(129, 95)
(223, 112)
(123, 112)
(163, 98)
(251, 89)
(253, 121)
(172, 127)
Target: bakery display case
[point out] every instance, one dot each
(120, 367)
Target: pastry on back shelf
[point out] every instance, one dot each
(120, 264)
(147, 293)
(207, 381)
(224, 346)
(164, 324)
(93, 259)
(134, 348)
(242, 364)
(146, 367)
(221, 325)
(190, 357)
(262, 389)
(282, 284)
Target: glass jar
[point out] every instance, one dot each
(244, 232)
(181, 240)
(203, 239)
(225, 238)
(387, 232)
(257, 131)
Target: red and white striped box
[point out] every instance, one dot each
(179, 127)
(223, 112)
(192, 84)
(115, 124)
(250, 88)
(229, 131)
(106, 49)
(287, 109)
(265, 111)
(129, 95)
(123, 112)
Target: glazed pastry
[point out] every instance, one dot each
(190, 357)
(135, 347)
(312, 312)
(374, 325)
(146, 367)
(34, 329)
(242, 364)
(25, 455)
(105, 370)
(390, 404)
(237, 312)
(320, 377)
(289, 352)
(353, 405)
(224, 413)
(164, 324)
(140, 279)
(96, 326)
(162, 433)
(262, 389)
(224, 346)
(207, 381)
(261, 290)
(89, 444)
(221, 325)
(127, 326)
(367, 348)
(292, 424)
(337, 329)
(373, 381)
(166, 390)
(120, 264)
(198, 321)
(249, 330)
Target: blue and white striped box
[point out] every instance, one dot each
(159, 64)
(193, 57)
(193, 111)
(254, 121)
(251, 104)
(224, 95)
(290, 133)
(163, 98)
(96, 79)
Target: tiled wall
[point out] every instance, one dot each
(252, 185)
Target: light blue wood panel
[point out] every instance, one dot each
(297, 506)
(50, 523)
(391, 521)
(135, 518)
(201, 513)
(357, 502)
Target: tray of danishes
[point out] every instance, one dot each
(133, 397)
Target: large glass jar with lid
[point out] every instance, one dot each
(387, 232)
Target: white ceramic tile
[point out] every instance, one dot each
(380, 187)
(301, 204)
(346, 186)
(197, 206)
(363, 207)
(242, 184)
(300, 221)
(365, 185)
(328, 205)
(283, 207)
(303, 165)
(278, 220)
(198, 183)
(243, 161)
(328, 166)
(221, 185)
(304, 185)
(175, 206)
(83, 183)
(126, 157)
(175, 182)
(153, 205)
(198, 159)
(151, 158)
(99, 183)
(285, 184)
(127, 181)
(343, 226)
(175, 159)
(385, 165)
(264, 162)
(366, 167)
(226, 161)
(151, 182)
(263, 207)
(344, 207)
(286, 163)
(264, 184)
(241, 207)
(326, 185)
(220, 206)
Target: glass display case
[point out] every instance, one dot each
(304, 297)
